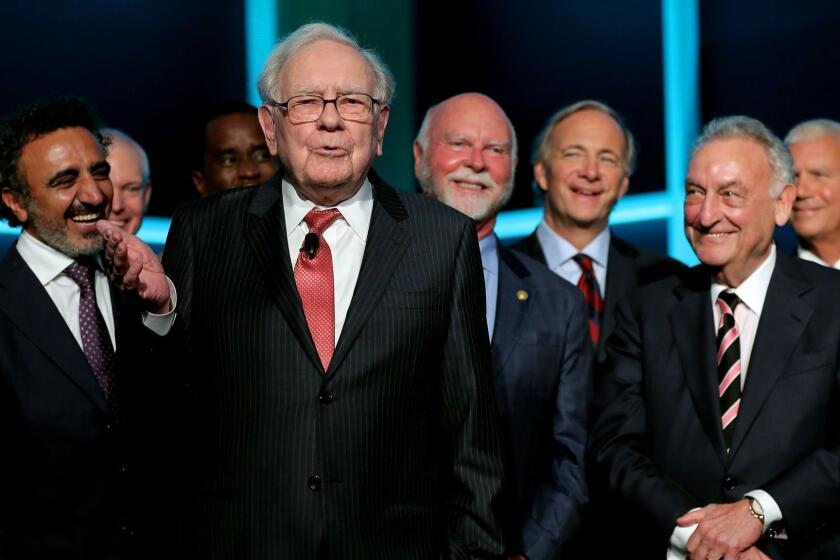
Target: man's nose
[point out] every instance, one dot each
(804, 187)
(330, 119)
(475, 160)
(248, 170)
(90, 191)
(590, 169)
(116, 201)
(710, 211)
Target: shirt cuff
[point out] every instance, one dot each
(679, 539)
(772, 511)
(162, 324)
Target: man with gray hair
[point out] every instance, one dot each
(717, 417)
(583, 159)
(465, 155)
(335, 339)
(131, 178)
(815, 146)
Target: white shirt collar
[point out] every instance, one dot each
(807, 255)
(44, 261)
(753, 290)
(557, 250)
(356, 210)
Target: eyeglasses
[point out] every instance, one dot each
(356, 107)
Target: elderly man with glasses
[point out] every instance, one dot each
(335, 337)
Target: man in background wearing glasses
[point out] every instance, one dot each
(336, 339)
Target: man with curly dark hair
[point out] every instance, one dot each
(70, 344)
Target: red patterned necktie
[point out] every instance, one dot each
(96, 341)
(314, 279)
(729, 364)
(588, 285)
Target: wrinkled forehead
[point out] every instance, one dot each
(62, 148)
(326, 67)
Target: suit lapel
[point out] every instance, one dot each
(265, 233)
(620, 281)
(786, 311)
(30, 308)
(510, 309)
(386, 243)
(692, 325)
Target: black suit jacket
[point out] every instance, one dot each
(542, 361)
(658, 432)
(628, 267)
(394, 451)
(62, 458)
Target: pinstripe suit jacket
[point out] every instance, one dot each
(394, 451)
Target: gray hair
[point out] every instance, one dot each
(115, 134)
(541, 143)
(813, 130)
(269, 83)
(423, 139)
(778, 156)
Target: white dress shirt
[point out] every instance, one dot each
(48, 266)
(752, 293)
(559, 255)
(807, 255)
(347, 237)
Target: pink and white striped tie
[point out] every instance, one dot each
(728, 364)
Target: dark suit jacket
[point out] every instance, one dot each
(394, 451)
(658, 432)
(628, 267)
(542, 362)
(61, 458)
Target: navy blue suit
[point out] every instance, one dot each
(658, 434)
(541, 359)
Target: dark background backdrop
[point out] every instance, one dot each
(153, 68)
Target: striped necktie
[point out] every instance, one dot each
(728, 364)
(588, 285)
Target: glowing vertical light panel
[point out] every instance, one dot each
(260, 36)
(680, 55)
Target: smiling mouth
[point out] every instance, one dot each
(586, 192)
(89, 218)
(470, 186)
(715, 235)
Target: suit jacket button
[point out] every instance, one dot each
(326, 397)
(729, 483)
(314, 482)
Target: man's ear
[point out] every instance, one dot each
(11, 200)
(266, 117)
(625, 184)
(540, 177)
(147, 194)
(784, 204)
(381, 123)
(418, 157)
(199, 183)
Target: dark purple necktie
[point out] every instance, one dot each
(96, 342)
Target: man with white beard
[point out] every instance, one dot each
(465, 156)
